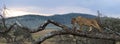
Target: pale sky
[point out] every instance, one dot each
(50, 7)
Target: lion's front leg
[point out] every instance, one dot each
(90, 28)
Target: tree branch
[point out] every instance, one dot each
(6, 28)
(3, 21)
(42, 27)
(6, 31)
(93, 35)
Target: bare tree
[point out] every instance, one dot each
(6, 30)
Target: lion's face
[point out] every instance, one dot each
(73, 20)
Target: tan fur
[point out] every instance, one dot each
(85, 22)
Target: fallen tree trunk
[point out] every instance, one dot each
(94, 35)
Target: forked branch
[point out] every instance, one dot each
(42, 27)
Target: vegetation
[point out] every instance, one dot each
(111, 23)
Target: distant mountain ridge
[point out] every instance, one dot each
(33, 21)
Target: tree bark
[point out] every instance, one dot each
(94, 35)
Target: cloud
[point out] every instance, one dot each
(65, 6)
(111, 15)
(51, 11)
(69, 9)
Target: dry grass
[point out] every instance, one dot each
(42, 33)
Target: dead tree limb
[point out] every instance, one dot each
(4, 25)
(42, 27)
(94, 35)
(3, 21)
(8, 29)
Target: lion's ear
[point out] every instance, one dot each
(73, 18)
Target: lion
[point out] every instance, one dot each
(85, 22)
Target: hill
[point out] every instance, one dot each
(32, 21)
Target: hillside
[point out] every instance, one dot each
(32, 21)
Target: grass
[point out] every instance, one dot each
(41, 33)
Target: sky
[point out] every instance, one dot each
(50, 7)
